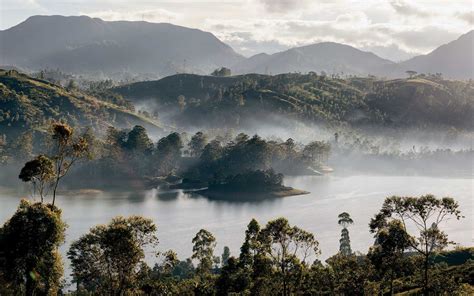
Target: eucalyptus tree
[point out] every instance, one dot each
(40, 173)
(109, 260)
(67, 150)
(425, 214)
(388, 253)
(288, 249)
(204, 244)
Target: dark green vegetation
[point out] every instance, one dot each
(130, 158)
(423, 101)
(274, 259)
(28, 103)
(226, 163)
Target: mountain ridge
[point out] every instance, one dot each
(81, 44)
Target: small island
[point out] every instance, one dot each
(251, 185)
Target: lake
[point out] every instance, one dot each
(179, 215)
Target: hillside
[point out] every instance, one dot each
(241, 101)
(80, 44)
(26, 102)
(329, 57)
(454, 60)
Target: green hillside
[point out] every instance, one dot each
(193, 100)
(27, 102)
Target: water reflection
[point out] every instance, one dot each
(179, 215)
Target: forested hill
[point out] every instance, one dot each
(27, 102)
(421, 101)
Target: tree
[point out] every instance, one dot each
(225, 256)
(424, 213)
(288, 248)
(138, 140)
(29, 242)
(411, 73)
(388, 253)
(168, 153)
(110, 258)
(349, 274)
(197, 144)
(203, 250)
(67, 150)
(222, 72)
(345, 243)
(40, 172)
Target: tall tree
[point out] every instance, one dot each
(425, 214)
(67, 150)
(204, 244)
(109, 259)
(29, 242)
(197, 144)
(388, 253)
(288, 248)
(138, 140)
(168, 153)
(345, 242)
(39, 172)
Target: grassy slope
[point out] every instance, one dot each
(27, 102)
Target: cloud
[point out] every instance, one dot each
(149, 15)
(394, 29)
(284, 6)
(468, 17)
(406, 9)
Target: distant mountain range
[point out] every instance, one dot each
(81, 44)
(453, 60)
(329, 57)
(84, 45)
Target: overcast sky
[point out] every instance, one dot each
(394, 29)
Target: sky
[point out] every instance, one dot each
(393, 29)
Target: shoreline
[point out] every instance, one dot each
(249, 195)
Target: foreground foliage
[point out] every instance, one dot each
(276, 258)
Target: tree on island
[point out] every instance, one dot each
(197, 144)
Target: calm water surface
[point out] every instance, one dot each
(180, 215)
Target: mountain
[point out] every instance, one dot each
(329, 57)
(80, 44)
(29, 103)
(454, 60)
(254, 100)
